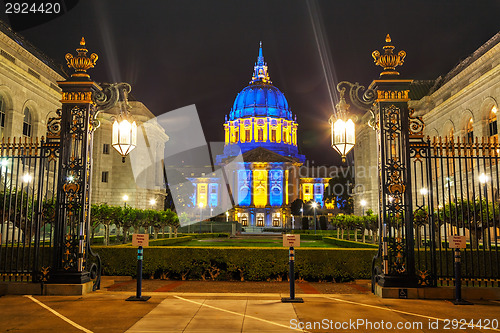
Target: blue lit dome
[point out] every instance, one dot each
(260, 118)
(260, 98)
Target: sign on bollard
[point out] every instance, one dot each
(291, 241)
(140, 240)
(457, 242)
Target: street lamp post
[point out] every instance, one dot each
(201, 213)
(363, 204)
(342, 128)
(314, 205)
(483, 179)
(125, 199)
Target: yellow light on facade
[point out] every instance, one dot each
(125, 198)
(124, 138)
(494, 109)
(27, 178)
(152, 202)
(260, 188)
(201, 205)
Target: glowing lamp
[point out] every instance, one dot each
(124, 138)
(343, 131)
(483, 178)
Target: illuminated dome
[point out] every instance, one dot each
(260, 118)
(260, 98)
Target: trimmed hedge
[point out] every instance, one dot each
(348, 244)
(169, 241)
(253, 264)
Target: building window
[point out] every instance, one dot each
(244, 221)
(247, 135)
(27, 123)
(260, 221)
(104, 176)
(492, 123)
(2, 116)
(470, 130)
(276, 222)
(260, 134)
(236, 136)
(105, 148)
(273, 135)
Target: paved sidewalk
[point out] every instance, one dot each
(189, 312)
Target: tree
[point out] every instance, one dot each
(323, 222)
(305, 223)
(296, 206)
(339, 190)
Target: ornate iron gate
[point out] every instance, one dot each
(456, 192)
(28, 182)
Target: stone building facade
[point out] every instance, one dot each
(462, 104)
(29, 96)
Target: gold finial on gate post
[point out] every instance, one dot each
(389, 61)
(81, 63)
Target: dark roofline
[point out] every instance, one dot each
(440, 81)
(28, 46)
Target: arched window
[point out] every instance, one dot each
(2, 116)
(27, 124)
(492, 123)
(469, 130)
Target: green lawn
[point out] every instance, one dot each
(252, 243)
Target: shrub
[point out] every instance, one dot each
(253, 264)
(346, 243)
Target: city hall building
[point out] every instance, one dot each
(272, 174)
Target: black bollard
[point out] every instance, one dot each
(292, 299)
(138, 296)
(458, 280)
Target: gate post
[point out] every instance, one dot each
(75, 163)
(395, 200)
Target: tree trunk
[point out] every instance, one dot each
(364, 235)
(106, 234)
(175, 232)
(125, 235)
(338, 232)
(356, 234)
(156, 233)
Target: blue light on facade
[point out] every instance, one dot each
(318, 193)
(244, 187)
(276, 191)
(213, 190)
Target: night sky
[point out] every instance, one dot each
(177, 53)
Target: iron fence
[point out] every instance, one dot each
(455, 189)
(28, 180)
